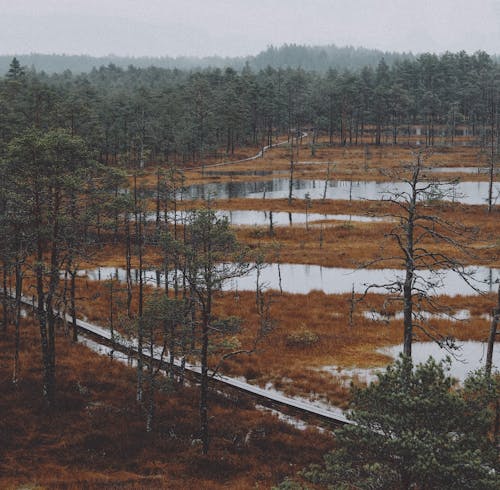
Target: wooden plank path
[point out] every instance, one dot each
(248, 159)
(300, 407)
(266, 396)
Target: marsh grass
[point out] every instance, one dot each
(350, 162)
(311, 331)
(94, 438)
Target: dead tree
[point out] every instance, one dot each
(290, 180)
(494, 116)
(419, 236)
(495, 317)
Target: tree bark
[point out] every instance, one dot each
(204, 377)
(5, 301)
(17, 320)
(493, 332)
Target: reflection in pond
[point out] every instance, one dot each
(468, 357)
(302, 279)
(456, 316)
(462, 170)
(280, 218)
(347, 375)
(464, 192)
(238, 173)
(277, 218)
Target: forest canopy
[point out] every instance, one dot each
(159, 114)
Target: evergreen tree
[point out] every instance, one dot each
(415, 428)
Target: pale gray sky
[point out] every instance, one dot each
(240, 27)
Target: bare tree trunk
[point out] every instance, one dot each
(128, 258)
(352, 307)
(111, 316)
(150, 409)
(41, 312)
(493, 332)
(140, 326)
(204, 377)
(158, 202)
(49, 305)
(408, 313)
(327, 179)
(17, 320)
(188, 324)
(42, 319)
(116, 217)
(171, 347)
(492, 164)
(410, 265)
(72, 293)
(290, 184)
(5, 301)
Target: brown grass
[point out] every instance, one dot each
(286, 358)
(94, 438)
(341, 243)
(346, 162)
(351, 244)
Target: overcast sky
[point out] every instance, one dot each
(241, 27)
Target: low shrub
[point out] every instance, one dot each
(302, 338)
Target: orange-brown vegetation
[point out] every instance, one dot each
(352, 244)
(344, 243)
(99, 437)
(94, 438)
(346, 163)
(312, 331)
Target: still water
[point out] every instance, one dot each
(278, 188)
(468, 356)
(277, 218)
(302, 279)
(462, 170)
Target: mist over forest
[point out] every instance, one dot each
(310, 58)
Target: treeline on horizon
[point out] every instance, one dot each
(310, 58)
(156, 114)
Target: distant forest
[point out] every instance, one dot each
(311, 58)
(155, 114)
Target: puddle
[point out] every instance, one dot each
(462, 170)
(457, 316)
(364, 375)
(469, 356)
(288, 419)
